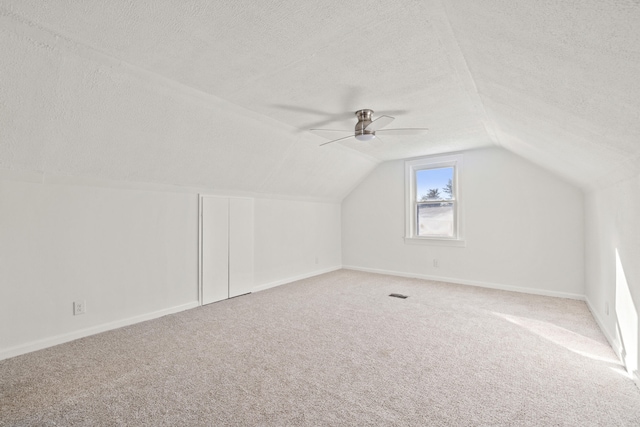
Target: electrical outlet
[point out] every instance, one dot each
(79, 307)
(316, 260)
(435, 263)
(606, 308)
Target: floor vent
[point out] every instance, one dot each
(398, 296)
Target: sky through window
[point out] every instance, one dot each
(427, 179)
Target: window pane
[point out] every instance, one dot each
(435, 219)
(434, 184)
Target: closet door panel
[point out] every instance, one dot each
(240, 246)
(215, 249)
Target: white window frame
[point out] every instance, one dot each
(411, 220)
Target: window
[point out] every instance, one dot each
(433, 203)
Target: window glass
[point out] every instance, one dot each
(434, 184)
(435, 219)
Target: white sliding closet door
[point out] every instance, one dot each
(227, 247)
(240, 246)
(215, 249)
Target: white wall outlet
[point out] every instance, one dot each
(436, 264)
(606, 308)
(79, 307)
(316, 260)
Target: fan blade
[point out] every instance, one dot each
(406, 131)
(376, 142)
(305, 110)
(329, 133)
(394, 113)
(379, 123)
(329, 118)
(335, 140)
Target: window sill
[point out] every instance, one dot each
(430, 241)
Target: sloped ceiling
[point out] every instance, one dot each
(559, 81)
(221, 94)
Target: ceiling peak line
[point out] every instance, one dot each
(442, 27)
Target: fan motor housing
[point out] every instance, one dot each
(364, 119)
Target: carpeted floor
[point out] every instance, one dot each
(335, 350)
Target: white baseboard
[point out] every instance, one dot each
(498, 286)
(295, 278)
(615, 344)
(612, 341)
(70, 336)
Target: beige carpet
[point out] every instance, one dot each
(335, 350)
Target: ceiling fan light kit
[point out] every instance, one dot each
(365, 136)
(366, 128)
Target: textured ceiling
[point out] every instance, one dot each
(222, 94)
(559, 81)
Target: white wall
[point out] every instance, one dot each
(128, 253)
(131, 252)
(612, 230)
(524, 228)
(295, 239)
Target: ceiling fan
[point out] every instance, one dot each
(367, 129)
